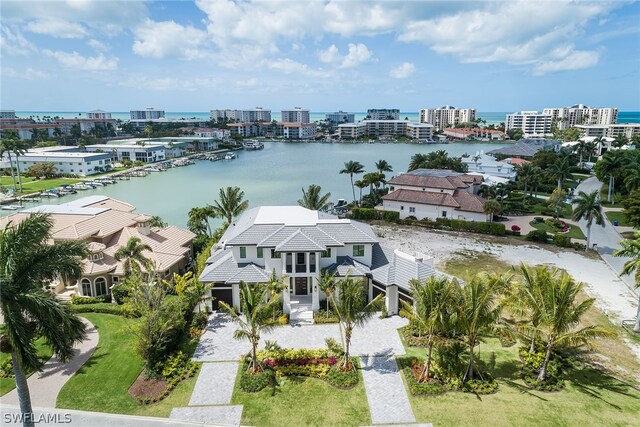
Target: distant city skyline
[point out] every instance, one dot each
(323, 56)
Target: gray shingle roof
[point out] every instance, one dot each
(345, 265)
(221, 269)
(253, 234)
(347, 233)
(250, 273)
(526, 147)
(299, 242)
(390, 267)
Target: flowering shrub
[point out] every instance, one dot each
(515, 228)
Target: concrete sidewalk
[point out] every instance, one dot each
(44, 386)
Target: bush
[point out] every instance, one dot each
(78, 300)
(371, 214)
(252, 383)
(344, 379)
(176, 366)
(540, 236)
(538, 219)
(199, 320)
(106, 308)
(475, 227)
(486, 386)
(515, 228)
(429, 387)
(562, 241)
(6, 369)
(120, 292)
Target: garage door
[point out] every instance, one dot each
(218, 295)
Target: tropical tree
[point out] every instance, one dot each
(525, 175)
(587, 206)
(479, 313)
(352, 309)
(433, 310)
(312, 198)
(6, 147)
(198, 219)
(156, 221)
(556, 202)
(27, 262)
(437, 160)
(230, 204)
(255, 319)
(610, 164)
(327, 284)
(132, 256)
(352, 168)
(620, 141)
(632, 178)
(560, 171)
(383, 166)
(360, 184)
(559, 317)
(276, 286)
(581, 148)
(631, 248)
(491, 208)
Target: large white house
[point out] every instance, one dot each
(298, 244)
(436, 193)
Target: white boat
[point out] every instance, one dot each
(10, 207)
(50, 194)
(253, 145)
(81, 186)
(95, 183)
(230, 156)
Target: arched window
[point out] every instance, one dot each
(86, 288)
(101, 286)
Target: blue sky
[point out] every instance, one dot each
(323, 55)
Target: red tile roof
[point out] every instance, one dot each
(460, 200)
(448, 183)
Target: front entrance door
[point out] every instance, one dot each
(301, 287)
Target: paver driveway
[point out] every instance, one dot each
(377, 337)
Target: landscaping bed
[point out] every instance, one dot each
(322, 316)
(7, 381)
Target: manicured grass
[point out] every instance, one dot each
(31, 185)
(537, 209)
(618, 216)
(303, 401)
(574, 232)
(8, 384)
(102, 384)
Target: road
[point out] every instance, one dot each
(606, 238)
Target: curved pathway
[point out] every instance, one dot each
(44, 386)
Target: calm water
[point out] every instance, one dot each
(273, 176)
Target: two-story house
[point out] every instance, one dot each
(298, 244)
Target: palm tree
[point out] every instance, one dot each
(156, 221)
(131, 255)
(433, 310)
(27, 262)
(352, 168)
(255, 318)
(560, 171)
(631, 248)
(479, 312)
(18, 148)
(352, 309)
(6, 147)
(374, 179)
(609, 165)
(276, 286)
(581, 148)
(588, 207)
(491, 208)
(620, 141)
(327, 284)
(525, 174)
(418, 161)
(198, 219)
(632, 178)
(311, 199)
(231, 203)
(560, 314)
(360, 184)
(383, 166)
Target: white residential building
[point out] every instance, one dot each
(298, 244)
(98, 114)
(447, 116)
(340, 117)
(67, 160)
(297, 130)
(486, 164)
(297, 115)
(257, 114)
(222, 134)
(532, 123)
(474, 133)
(386, 129)
(581, 115)
(148, 153)
(611, 130)
(7, 114)
(146, 114)
(383, 114)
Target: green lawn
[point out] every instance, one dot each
(102, 384)
(618, 216)
(303, 401)
(537, 209)
(31, 185)
(574, 232)
(8, 384)
(590, 398)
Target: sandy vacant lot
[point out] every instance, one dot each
(613, 296)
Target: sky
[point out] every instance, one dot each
(321, 55)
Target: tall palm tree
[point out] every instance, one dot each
(609, 165)
(27, 262)
(132, 257)
(418, 161)
(588, 207)
(525, 174)
(327, 284)
(352, 309)
(631, 248)
(632, 178)
(6, 147)
(581, 148)
(157, 221)
(383, 166)
(198, 219)
(360, 184)
(255, 318)
(352, 168)
(230, 204)
(479, 312)
(560, 171)
(374, 179)
(433, 310)
(18, 148)
(560, 314)
(312, 199)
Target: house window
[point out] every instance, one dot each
(86, 288)
(275, 254)
(243, 252)
(358, 250)
(327, 253)
(115, 279)
(101, 286)
(412, 210)
(259, 253)
(444, 214)
(401, 208)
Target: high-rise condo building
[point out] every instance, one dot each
(383, 114)
(257, 114)
(340, 117)
(146, 114)
(296, 115)
(447, 116)
(532, 123)
(98, 114)
(581, 115)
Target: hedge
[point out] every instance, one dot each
(371, 214)
(97, 308)
(476, 227)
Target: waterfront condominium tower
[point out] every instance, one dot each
(383, 114)
(447, 116)
(257, 114)
(296, 115)
(340, 117)
(532, 123)
(146, 114)
(582, 115)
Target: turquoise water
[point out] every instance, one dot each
(273, 176)
(490, 117)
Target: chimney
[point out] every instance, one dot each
(142, 224)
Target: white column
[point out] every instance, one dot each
(391, 300)
(286, 304)
(370, 289)
(307, 259)
(235, 295)
(315, 294)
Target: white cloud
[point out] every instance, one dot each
(98, 45)
(14, 43)
(574, 60)
(26, 74)
(57, 28)
(356, 55)
(76, 61)
(168, 38)
(289, 66)
(403, 70)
